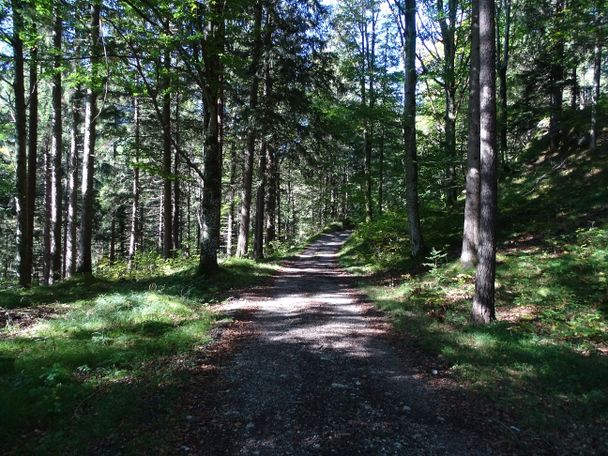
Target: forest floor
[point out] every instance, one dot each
(310, 367)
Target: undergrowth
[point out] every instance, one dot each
(545, 361)
(83, 362)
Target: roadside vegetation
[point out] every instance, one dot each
(544, 363)
(86, 356)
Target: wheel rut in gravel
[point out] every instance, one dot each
(312, 371)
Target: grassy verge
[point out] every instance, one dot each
(85, 363)
(545, 361)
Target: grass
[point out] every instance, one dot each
(544, 363)
(84, 362)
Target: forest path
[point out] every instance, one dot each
(310, 370)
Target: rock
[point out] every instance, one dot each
(434, 372)
(249, 426)
(339, 386)
(407, 408)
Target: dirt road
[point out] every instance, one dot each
(311, 371)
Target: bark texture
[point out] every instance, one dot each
(409, 129)
(71, 233)
(447, 24)
(135, 189)
(470, 237)
(212, 161)
(85, 259)
(24, 250)
(245, 213)
(56, 157)
(597, 74)
(167, 212)
(483, 303)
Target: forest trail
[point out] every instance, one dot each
(309, 369)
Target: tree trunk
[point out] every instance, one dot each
(271, 197)
(75, 144)
(177, 195)
(56, 156)
(556, 83)
(470, 237)
(32, 159)
(24, 240)
(597, 74)
(135, 226)
(258, 248)
(232, 203)
(574, 90)
(167, 240)
(85, 260)
(483, 303)
(502, 75)
(211, 204)
(450, 143)
(46, 237)
(188, 215)
(121, 231)
(449, 81)
(381, 173)
(212, 161)
(409, 129)
(113, 240)
(279, 200)
(245, 215)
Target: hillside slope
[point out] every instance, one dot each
(545, 361)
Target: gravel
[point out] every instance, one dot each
(310, 370)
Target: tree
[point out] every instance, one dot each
(245, 213)
(85, 260)
(24, 209)
(212, 45)
(447, 23)
(483, 303)
(503, 65)
(405, 12)
(165, 87)
(56, 156)
(470, 237)
(597, 71)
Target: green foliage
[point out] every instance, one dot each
(99, 350)
(379, 245)
(544, 361)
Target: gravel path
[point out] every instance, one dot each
(311, 371)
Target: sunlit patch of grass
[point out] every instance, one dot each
(545, 361)
(110, 349)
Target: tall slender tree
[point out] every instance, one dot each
(470, 236)
(447, 23)
(245, 212)
(483, 303)
(213, 43)
(24, 240)
(405, 15)
(167, 209)
(135, 189)
(56, 156)
(32, 145)
(85, 259)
